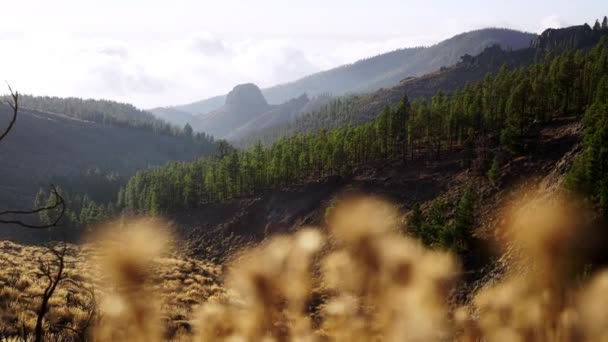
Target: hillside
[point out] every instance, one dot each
(421, 182)
(243, 103)
(22, 281)
(100, 111)
(43, 146)
(467, 204)
(384, 70)
(180, 296)
(470, 69)
(479, 128)
(176, 117)
(388, 69)
(246, 110)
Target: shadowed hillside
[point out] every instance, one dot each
(43, 145)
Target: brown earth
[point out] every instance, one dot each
(421, 181)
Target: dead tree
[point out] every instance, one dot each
(82, 329)
(53, 271)
(15, 106)
(20, 217)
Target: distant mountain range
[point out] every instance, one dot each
(364, 107)
(385, 70)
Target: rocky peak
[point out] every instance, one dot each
(574, 37)
(246, 95)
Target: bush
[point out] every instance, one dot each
(494, 171)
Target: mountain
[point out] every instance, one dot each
(364, 107)
(384, 70)
(526, 122)
(175, 116)
(243, 103)
(43, 146)
(200, 107)
(276, 115)
(246, 110)
(388, 69)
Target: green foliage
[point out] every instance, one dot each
(509, 105)
(589, 173)
(81, 211)
(435, 225)
(415, 221)
(494, 171)
(460, 230)
(435, 229)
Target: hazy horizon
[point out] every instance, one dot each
(152, 53)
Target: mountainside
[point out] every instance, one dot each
(198, 107)
(100, 111)
(380, 71)
(466, 204)
(364, 107)
(278, 114)
(421, 182)
(243, 104)
(175, 116)
(246, 110)
(479, 133)
(388, 69)
(44, 145)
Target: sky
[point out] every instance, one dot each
(167, 52)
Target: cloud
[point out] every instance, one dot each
(271, 61)
(117, 51)
(552, 21)
(208, 45)
(174, 69)
(113, 79)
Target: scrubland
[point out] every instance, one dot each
(359, 278)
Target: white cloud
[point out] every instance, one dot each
(171, 70)
(157, 52)
(552, 21)
(207, 44)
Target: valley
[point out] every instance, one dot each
(452, 192)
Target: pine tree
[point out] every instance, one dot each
(415, 221)
(494, 171)
(458, 235)
(188, 131)
(597, 26)
(434, 224)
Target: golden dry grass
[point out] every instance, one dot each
(359, 280)
(175, 285)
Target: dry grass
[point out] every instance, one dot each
(174, 286)
(360, 280)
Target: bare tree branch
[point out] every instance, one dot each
(15, 214)
(54, 279)
(59, 203)
(93, 316)
(15, 106)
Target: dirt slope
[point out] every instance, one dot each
(405, 183)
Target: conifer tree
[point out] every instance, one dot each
(457, 236)
(494, 171)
